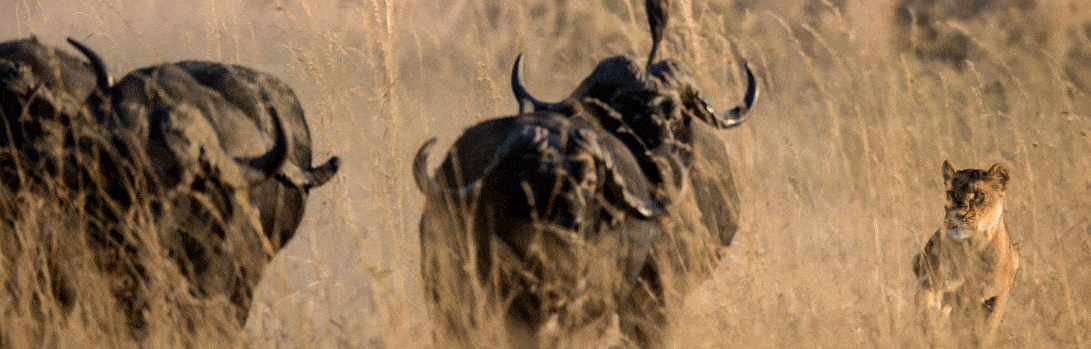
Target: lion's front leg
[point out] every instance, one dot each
(994, 311)
(931, 315)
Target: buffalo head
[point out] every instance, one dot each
(658, 108)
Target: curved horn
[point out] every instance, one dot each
(102, 75)
(322, 174)
(658, 12)
(428, 185)
(737, 115)
(524, 98)
(269, 164)
(309, 177)
(420, 175)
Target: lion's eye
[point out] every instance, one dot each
(951, 195)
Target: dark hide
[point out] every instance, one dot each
(58, 70)
(543, 199)
(200, 121)
(219, 155)
(42, 96)
(658, 107)
(55, 148)
(532, 237)
(281, 202)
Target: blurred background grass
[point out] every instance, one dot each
(838, 167)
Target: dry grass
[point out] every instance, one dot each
(838, 167)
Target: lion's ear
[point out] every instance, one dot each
(999, 175)
(948, 173)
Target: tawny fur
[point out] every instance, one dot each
(967, 268)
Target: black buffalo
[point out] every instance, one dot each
(219, 155)
(55, 69)
(219, 131)
(565, 212)
(236, 113)
(55, 147)
(43, 96)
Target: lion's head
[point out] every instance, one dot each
(975, 200)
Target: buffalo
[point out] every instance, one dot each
(221, 131)
(56, 69)
(570, 218)
(219, 156)
(241, 113)
(54, 148)
(44, 94)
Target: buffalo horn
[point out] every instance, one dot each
(525, 99)
(269, 164)
(102, 76)
(309, 177)
(428, 185)
(737, 115)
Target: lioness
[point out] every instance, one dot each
(967, 268)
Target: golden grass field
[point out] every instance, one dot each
(838, 167)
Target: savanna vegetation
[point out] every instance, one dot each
(838, 167)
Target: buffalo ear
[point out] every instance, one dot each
(948, 174)
(998, 174)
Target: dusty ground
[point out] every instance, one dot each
(838, 166)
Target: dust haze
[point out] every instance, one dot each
(838, 166)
